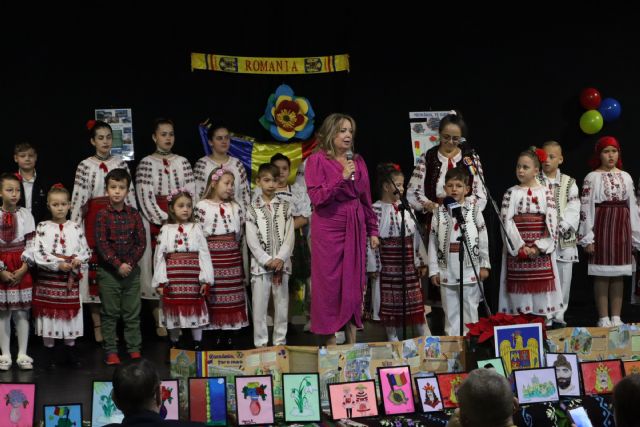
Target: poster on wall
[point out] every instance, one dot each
(424, 131)
(121, 124)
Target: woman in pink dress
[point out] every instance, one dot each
(342, 222)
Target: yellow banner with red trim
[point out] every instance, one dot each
(257, 65)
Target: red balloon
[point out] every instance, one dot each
(590, 98)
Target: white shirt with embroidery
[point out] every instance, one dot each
(522, 200)
(24, 230)
(451, 276)
(270, 234)
(157, 177)
(205, 165)
(389, 221)
(415, 190)
(220, 218)
(172, 240)
(51, 240)
(601, 187)
(89, 184)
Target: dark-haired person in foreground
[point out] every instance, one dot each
(136, 392)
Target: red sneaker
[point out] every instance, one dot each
(112, 359)
(135, 355)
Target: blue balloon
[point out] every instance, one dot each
(610, 109)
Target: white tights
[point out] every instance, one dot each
(21, 320)
(50, 342)
(422, 329)
(174, 334)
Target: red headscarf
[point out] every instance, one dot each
(604, 142)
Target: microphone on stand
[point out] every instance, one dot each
(454, 208)
(350, 157)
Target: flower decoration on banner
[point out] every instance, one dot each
(287, 116)
(483, 329)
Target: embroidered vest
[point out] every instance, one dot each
(445, 225)
(271, 225)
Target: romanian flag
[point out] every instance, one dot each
(397, 380)
(61, 411)
(252, 153)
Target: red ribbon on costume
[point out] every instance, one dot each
(17, 174)
(180, 230)
(9, 227)
(61, 238)
(104, 167)
(221, 209)
(165, 162)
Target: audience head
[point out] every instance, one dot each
(136, 387)
(486, 400)
(626, 410)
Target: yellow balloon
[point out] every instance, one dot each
(591, 122)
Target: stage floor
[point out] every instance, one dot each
(68, 385)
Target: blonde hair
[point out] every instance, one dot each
(552, 144)
(58, 189)
(328, 131)
(211, 185)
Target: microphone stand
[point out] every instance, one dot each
(472, 156)
(465, 247)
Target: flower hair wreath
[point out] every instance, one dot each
(218, 173)
(177, 191)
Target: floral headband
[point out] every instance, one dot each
(177, 191)
(58, 185)
(218, 173)
(91, 124)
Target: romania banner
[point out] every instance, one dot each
(252, 153)
(253, 65)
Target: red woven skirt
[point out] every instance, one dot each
(226, 300)
(391, 310)
(612, 234)
(56, 295)
(15, 297)
(181, 295)
(530, 276)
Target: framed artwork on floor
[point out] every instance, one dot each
(254, 400)
(301, 394)
(356, 399)
(208, 400)
(66, 414)
(17, 408)
(536, 385)
(396, 390)
(103, 409)
(429, 394)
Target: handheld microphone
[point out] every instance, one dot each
(350, 157)
(454, 208)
